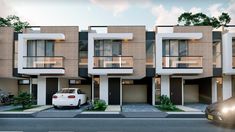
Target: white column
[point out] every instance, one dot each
(30, 86)
(165, 85)
(227, 87)
(214, 90)
(121, 91)
(153, 90)
(92, 89)
(41, 100)
(104, 88)
(182, 91)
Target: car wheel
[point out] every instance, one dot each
(79, 104)
(55, 107)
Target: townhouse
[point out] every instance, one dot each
(120, 64)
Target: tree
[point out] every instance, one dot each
(200, 19)
(13, 21)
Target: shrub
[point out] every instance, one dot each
(24, 99)
(166, 104)
(99, 105)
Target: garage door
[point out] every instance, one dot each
(191, 94)
(134, 93)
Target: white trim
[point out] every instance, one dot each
(97, 36)
(228, 54)
(178, 36)
(153, 90)
(182, 90)
(22, 51)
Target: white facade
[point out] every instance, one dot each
(22, 51)
(228, 54)
(41, 92)
(100, 36)
(179, 36)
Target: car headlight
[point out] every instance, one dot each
(228, 109)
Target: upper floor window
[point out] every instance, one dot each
(40, 48)
(175, 48)
(108, 47)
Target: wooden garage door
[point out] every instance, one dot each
(134, 93)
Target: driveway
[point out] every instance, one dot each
(141, 111)
(60, 113)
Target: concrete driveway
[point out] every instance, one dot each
(141, 111)
(65, 112)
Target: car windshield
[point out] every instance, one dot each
(67, 91)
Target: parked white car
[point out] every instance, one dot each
(69, 97)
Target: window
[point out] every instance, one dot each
(175, 48)
(40, 48)
(74, 82)
(108, 47)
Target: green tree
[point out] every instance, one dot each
(13, 21)
(200, 19)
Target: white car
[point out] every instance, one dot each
(69, 97)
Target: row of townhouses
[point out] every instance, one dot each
(120, 64)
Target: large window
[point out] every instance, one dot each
(108, 47)
(40, 48)
(175, 48)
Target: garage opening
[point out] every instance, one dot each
(137, 91)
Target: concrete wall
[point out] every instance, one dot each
(165, 85)
(104, 88)
(67, 48)
(6, 51)
(9, 85)
(41, 100)
(227, 87)
(201, 47)
(135, 47)
(134, 93)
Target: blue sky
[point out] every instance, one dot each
(111, 12)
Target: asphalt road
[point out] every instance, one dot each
(110, 125)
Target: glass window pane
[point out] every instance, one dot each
(183, 48)
(83, 45)
(233, 44)
(165, 48)
(107, 48)
(40, 48)
(174, 48)
(117, 49)
(49, 48)
(31, 47)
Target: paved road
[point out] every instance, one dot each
(109, 125)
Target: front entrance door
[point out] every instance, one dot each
(35, 92)
(176, 91)
(51, 88)
(114, 91)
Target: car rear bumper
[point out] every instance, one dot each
(62, 102)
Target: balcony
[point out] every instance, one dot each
(182, 62)
(107, 65)
(171, 65)
(43, 62)
(38, 65)
(113, 62)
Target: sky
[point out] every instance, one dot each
(84, 13)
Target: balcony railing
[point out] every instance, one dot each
(43, 62)
(113, 62)
(182, 62)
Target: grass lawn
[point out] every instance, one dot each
(21, 109)
(176, 110)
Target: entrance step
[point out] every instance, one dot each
(113, 108)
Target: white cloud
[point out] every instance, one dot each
(166, 17)
(195, 10)
(116, 7)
